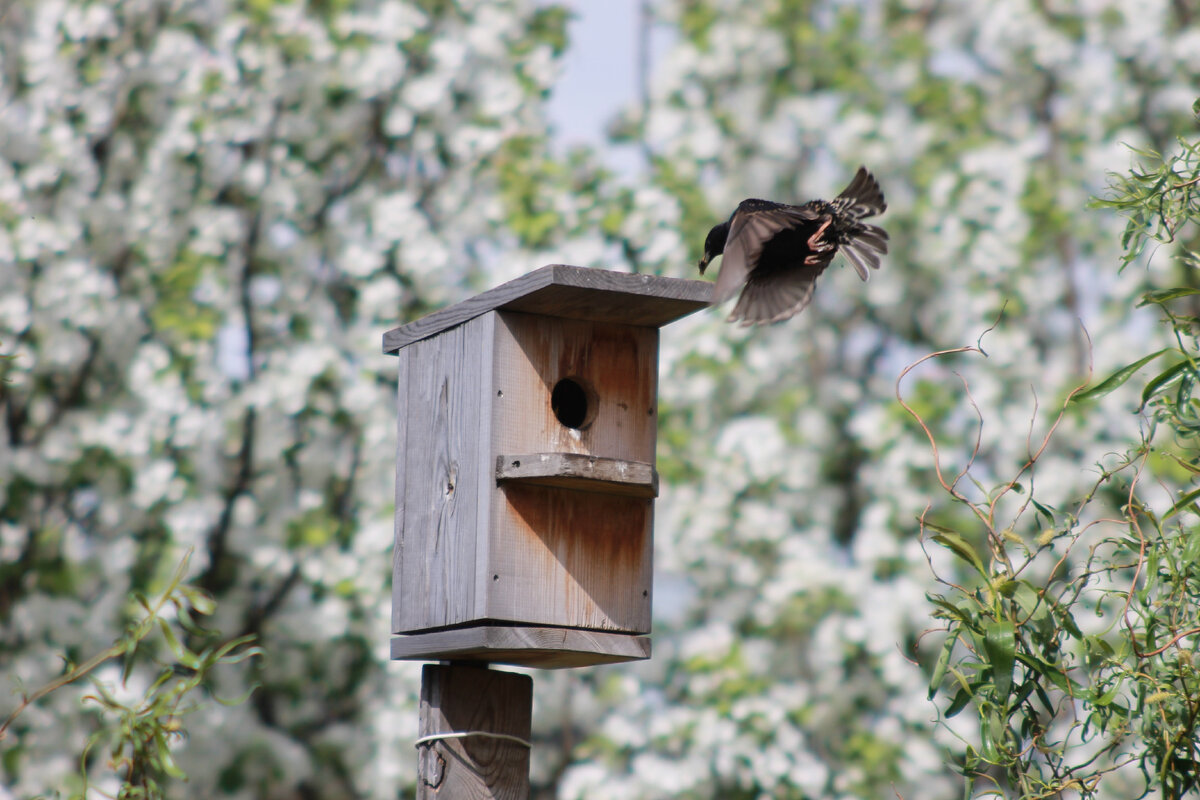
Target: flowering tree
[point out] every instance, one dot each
(211, 210)
(797, 479)
(210, 213)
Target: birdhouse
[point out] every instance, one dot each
(525, 469)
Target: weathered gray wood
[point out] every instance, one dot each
(462, 699)
(558, 290)
(544, 648)
(448, 474)
(576, 471)
(563, 540)
(404, 411)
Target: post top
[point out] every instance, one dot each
(559, 290)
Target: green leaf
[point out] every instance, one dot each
(168, 634)
(943, 661)
(1163, 379)
(955, 543)
(1050, 672)
(1001, 646)
(991, 731)
(201, 601)
(165, 760)
(226, 655)
(1117, 378)
(1189, 466)
(1181, 504)
(1097, 649)
(127, 664)
(1066, 618)
(1106, 698)
(1041, 695)
(959, 702)
(1044, 511)
(953, 612)
(1163, 295)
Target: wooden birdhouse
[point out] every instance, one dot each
(525, 469)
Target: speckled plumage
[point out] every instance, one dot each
(777, 250)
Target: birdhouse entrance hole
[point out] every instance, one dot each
(573, 402)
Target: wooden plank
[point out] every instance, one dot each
(618, 364)
(543, 648)
(559, 290)
(583, 472)
(402, 411)
(458, 699)
(577, 559)
(571, 558)
(448, 474)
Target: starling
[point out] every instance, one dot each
(778, 250)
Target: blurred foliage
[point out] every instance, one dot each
(139, 733)
(210, 211)
(1059, 710)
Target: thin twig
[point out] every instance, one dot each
(937, 467)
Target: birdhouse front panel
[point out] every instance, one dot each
(576, 553)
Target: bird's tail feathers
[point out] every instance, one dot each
(862, 198)
(863, 247)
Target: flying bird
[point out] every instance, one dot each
(778, 250)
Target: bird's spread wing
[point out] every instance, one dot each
(749, 231)
(781, 294)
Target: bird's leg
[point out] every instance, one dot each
(814, 242)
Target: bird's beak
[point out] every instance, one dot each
(704, 262)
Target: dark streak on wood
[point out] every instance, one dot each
(583, 559)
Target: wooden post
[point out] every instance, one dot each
(458, 699)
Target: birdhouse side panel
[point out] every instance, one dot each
(445, 474)
(606, 377)
(571, 558)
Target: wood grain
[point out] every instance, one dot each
(580, 559)
(617, 363)
(562, 557)
(564, 538)
(559, 290)
(544, 648)
(581, 472)
(448, 474)
(402, 534)
(457, 699)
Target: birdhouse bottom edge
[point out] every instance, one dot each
(526, 646)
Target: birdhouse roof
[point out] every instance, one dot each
(558, 290)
